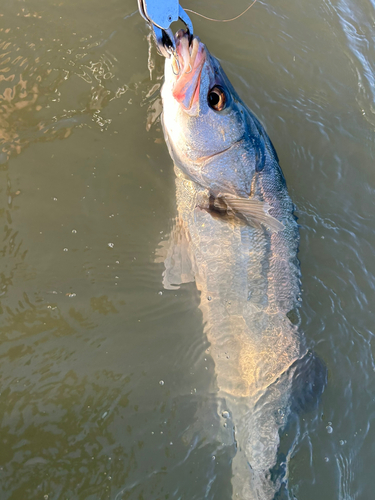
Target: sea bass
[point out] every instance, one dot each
(237, 237)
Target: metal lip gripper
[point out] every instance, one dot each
(160, 14)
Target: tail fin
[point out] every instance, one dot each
(251, 484)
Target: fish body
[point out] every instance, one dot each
(237, 237)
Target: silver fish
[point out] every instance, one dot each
(237, 237)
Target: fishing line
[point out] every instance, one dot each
(221, 20)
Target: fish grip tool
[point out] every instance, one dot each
(160, 14)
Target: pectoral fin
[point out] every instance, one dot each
(255, 212)
(178, 262)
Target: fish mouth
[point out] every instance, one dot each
(187, 67)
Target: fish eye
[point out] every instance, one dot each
(216, 98)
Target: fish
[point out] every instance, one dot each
(237, 237)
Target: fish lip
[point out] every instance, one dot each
(186, 85)
(195, 94)
(204, 159)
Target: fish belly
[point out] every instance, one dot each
(249, 281)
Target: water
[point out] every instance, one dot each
(101, 370)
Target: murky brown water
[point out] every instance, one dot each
(102, 371)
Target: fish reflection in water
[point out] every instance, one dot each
(237, 237)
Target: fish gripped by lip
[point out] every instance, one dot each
(237, 238)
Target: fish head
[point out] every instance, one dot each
(203, 117)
